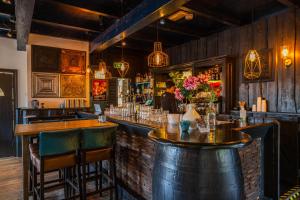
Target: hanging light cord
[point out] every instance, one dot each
(157, 31)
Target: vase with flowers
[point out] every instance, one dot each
(189, 88)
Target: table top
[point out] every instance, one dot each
(226, 135)
(36, 128)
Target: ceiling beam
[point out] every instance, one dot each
(24, 11)
(55, 24)
(75, 7)
(218, 17)
(144, 14)
(289, 3)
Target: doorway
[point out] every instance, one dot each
(8, 104)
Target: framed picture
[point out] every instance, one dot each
(267, 72)
(45, 85)
(72, 86)
(72, 62)
(99, 87)
(45, 59)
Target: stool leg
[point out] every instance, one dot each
(97, 176)
(34, 184)
(83, 180)
(79, 181)
(100, 179)
(111, 178)
(66, 193)
(115, 179)
(42, 181)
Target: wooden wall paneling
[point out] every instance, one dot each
(245, 44)
(297, 59)
(259, 37)
(286, 77)
(271, 91)
(212, 45)
(202, 50)
(194, 46)
(235, 51)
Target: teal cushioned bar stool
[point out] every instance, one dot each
(56, 150)
(97, 145)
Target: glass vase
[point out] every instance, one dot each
(211, 116)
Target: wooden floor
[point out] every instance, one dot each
(11, 181)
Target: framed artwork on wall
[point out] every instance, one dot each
(72, 86)
(267, 70)
(45, 59)
(45, 85)
(99, 87)
(72, 62)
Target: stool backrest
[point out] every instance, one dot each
(93, 138)
(58, 142)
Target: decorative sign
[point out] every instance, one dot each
(267, 70)
(118, 65)
(72, 86)
(99, 89)
(72, 62)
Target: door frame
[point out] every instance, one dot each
(15, 92)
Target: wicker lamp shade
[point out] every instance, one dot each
(253, 68)
(158, 58)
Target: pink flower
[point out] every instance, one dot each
(178, 94)
(191, 83)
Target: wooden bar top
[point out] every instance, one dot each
(36, 128)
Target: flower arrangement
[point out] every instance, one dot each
(188, 88)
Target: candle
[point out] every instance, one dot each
(258, 108)
(253, 108)
(264, 105)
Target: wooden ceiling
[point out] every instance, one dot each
(88, 20)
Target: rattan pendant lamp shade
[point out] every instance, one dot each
(158, 58)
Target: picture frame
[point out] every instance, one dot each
(99, 89)
(72, 61)
(45, 85)
(72, 86)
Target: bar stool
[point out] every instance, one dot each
(56, 150)
(97, 145)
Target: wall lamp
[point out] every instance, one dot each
(287, 61)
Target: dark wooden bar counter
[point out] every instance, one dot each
(137, 146)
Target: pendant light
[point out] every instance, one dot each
(158, 58)
(123, 69)
(253, 67)
(1, 93)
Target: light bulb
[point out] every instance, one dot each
(122, 67)
(88, 70)
(157, 59)
(252, 56)
(284, 52)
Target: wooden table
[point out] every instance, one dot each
(28, 130)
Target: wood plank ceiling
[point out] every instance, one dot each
(85, 20)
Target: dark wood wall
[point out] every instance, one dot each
(283, 94)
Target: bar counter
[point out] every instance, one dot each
(144, 148)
